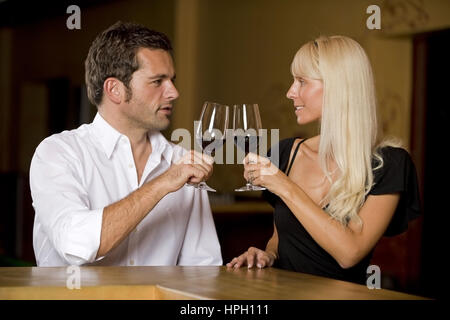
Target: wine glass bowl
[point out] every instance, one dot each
(210, 132)
(247, 128)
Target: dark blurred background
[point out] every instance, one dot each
(232, 51)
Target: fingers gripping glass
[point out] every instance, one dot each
(247, 134)
(210, 132)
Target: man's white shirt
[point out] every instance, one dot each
(75, 174)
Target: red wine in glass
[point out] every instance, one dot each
(247, 143)
(209, 146)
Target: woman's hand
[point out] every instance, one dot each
(261, 172)
(253, 256)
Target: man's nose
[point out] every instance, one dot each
(171, 91)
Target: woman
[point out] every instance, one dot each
(336, 194)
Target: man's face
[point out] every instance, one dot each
(152, 91)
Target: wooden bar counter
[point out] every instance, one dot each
(174, 282)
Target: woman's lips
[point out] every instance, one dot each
(298, 108)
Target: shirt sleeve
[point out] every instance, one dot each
(398, 175)
(62, 205)
(201, 245)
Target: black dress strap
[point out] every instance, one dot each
(293, 157)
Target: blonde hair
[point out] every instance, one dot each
(348, 128)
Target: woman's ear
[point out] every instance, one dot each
(113, 89)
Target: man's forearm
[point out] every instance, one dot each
(122, 217)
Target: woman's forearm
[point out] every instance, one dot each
(338, 240)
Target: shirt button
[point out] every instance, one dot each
(131, 262)
(130, 166)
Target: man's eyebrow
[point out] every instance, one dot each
(161, 76)
(158, 76)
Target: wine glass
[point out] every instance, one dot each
(210, 132)
(247, 133)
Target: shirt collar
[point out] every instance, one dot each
(161, 146)
(109, 138)
(107, 135)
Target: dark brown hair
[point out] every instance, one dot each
(113, 54)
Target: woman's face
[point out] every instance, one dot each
(307, 96)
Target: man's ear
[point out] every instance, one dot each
(114, 90)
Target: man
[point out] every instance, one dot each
(114, 192)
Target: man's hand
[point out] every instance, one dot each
(193, 167)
